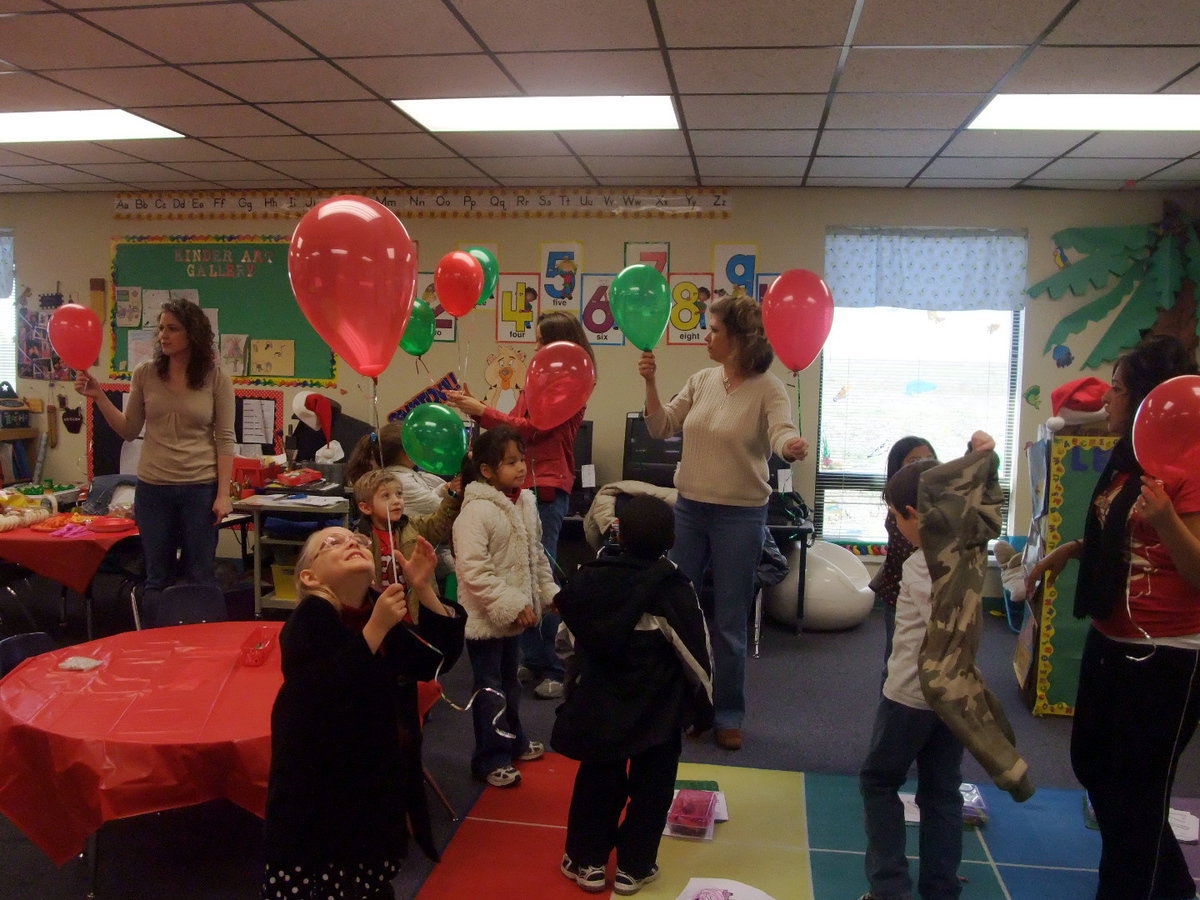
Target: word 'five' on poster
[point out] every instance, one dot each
(595, 309)
(520, 305)
(445, 325)
(561, 264)
(691, 293)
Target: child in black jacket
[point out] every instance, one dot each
(642, 674)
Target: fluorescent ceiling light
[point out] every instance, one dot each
(543, 113)
(78, 125)
(1091, 112)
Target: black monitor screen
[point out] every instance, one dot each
(649, 459)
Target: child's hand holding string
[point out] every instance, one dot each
(388, 612)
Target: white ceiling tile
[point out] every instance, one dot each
(345, 169)
(1078, 167)
(458, 182)
(931, 70)
(1076, 184)
(8, 7)
(358, 183)
(422, 77)
(672, 166)
(170, 33)
(169, 150)
(768, 111)
(372, 27)
(141, 86)
(388, 146)
(754, 71)
(546, 181)
(973, 167)
(22, 92)
(100, 187)
(753, 142)
(282, 147)
(47, 174)
(1187, 169)
(505, 143)
(531, 166)
(188, 185)
(274, 82)
(73, 152)
(448, 170)
(559, 24)
(1140, 143)
(130, 171)
(265, 184)
(650, 181)
(761, 166)
(617, 143)
(892, 142)
(755, 23)
(38, 42)
(849, 181)
(902, 110)
(354, 117)
(1121, 22)
(866, 166)
(1091, 70)
(17, 187)
(929, 23)
(739, 181)
(1188, 84)
(225, 171)
(981, 183)
(599, 72)
(1014, 143)
(106, 4)
(213, 121)
(10, 157)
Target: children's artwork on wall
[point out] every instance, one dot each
(735, 265)
(272, 358)
(128, 312)
(505, 376)
(35, 354)
(657, 254)
(690, 295)
(234, 354)
(520, 305)
(561, 263)
(140, 348)
(447, 325)
(152, 301)
(595, 311)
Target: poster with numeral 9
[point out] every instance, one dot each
(447, 325)
(691, 293)
(595, 311)
(519, 303)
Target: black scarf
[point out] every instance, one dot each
(1104, 565)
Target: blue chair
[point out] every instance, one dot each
(16, 649)
(189, 604)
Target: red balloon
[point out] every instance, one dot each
(797, 315)
(558, 382)
(353, 270)
(1166, 428)
(75, 335)
(458, 282)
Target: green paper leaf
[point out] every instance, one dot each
(1094, 311)
(1191, 253)
(1080, 277)
(1166, 268)
(1126, 330)
(1108, 239)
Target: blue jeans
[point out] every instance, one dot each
(729, 539)
(901, 735)
(537, 644)
(494, 665)
(172, 518)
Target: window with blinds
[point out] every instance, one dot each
(892, 368)
(8, 312)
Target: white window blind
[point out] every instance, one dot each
(8, 314)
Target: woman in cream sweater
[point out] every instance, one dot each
(733, 416)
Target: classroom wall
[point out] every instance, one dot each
(64, 238)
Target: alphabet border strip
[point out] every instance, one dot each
(473, 203)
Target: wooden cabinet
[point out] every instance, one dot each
(22, 460)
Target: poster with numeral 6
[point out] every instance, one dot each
(691, 292)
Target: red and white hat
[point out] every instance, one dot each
(1079, 402)
(316, 411)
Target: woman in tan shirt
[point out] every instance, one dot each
(186, 405)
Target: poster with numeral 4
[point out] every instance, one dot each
(595, 309)
(691, 292)
(447, 325)
(518, 305)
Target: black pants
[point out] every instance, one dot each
(647, 781)
(1135, 713)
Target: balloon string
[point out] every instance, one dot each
(464, 360)
(388, 559)
(799, 411)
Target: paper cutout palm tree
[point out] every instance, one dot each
(1156, 266)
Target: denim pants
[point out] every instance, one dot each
(728, 539)
(537, 643)
(494, 665)
(901, 735)
(177, 517)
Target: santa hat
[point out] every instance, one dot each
(316, 411)
(1079, 402)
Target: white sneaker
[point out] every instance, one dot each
(503, 777)
(626, 884)
(535, 750)
(549, 690)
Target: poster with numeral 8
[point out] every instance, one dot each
(691, 292)
(595, 311)
(519, 303)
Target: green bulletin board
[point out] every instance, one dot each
(243, 277)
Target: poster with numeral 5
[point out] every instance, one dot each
(595, 310)
(518, 305)
(561, 264)
(691, 293)
(447, 325)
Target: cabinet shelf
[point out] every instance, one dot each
(17, 434)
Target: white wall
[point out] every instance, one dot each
(66, 238)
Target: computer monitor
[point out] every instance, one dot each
(646, 458)
(582, 497)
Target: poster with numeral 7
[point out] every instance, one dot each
(691, 293)
(595, 309)
(656, 254)
(519, 303)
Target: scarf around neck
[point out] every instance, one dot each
(1104, 565)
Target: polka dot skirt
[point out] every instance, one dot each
(332, 881)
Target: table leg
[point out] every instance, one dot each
(257, 564)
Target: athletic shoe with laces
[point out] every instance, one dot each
(624, 883)
(503, 777)
(590, 878)
(524, 674)
(550, 689)
(535, 750)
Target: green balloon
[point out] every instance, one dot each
(491, 272)
(641, 303)
(420, 330)
(435, 437)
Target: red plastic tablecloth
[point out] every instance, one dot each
(69, 561)
(169, 719)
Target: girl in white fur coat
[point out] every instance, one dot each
(504, 583)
